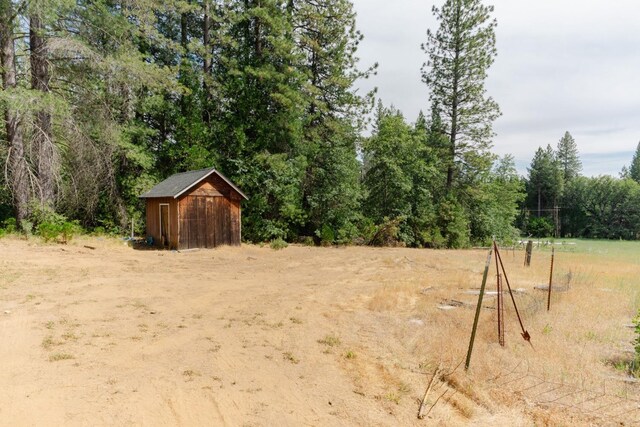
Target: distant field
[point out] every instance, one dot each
(618, 249)
(250, 336)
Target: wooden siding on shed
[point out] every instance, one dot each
(209, 215)
(206, 216)
(207, 222)
(153, 220)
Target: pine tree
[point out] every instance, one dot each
(495, 203)
(262, 106)
(327, 39)
(634, 169)
(104, 78)
(460, 53)
(17, 167)
(568, 157)
(387, 156)
(544, 185)
(47, 164)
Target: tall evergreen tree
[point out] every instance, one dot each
(327, 40)
(460, 53)
(261, 115)
(17, 169)
(568, 157)
(387, 155)
(544, 184)
(47, 164)
(634, 169)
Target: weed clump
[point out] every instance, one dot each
(330, 340)
(60, 356)
(278, 244)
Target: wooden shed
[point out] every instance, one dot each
(196, 209)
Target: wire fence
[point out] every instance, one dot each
(612, 402)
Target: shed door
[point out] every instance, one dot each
(164, 224)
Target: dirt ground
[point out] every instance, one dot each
(250, 336)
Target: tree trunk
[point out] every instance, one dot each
(206, 67)
(454, 101)
(17, 172)
(184, 42)
(43, 140)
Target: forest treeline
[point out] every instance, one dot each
(102, 99)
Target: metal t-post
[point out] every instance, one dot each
(478, 308)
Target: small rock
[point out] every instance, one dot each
(7, 312)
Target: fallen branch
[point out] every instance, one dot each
(426, 393)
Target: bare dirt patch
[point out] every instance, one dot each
(301, 336)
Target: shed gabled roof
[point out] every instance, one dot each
(178, 184)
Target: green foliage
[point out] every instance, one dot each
(454, 224)
(386, 234)
(574, 217)
(540, 227)
(266, 92)
(326, 235)
(634, 169)
(545, 182)
(387, 155)
(10, 225)
(61, 232)
(306, 241)
(568, 158)
(612, 208)
(274, 209)
(459, 54)
(27, 227)
(278, 244)
(401, 175)
(52, 226)
(495, 202)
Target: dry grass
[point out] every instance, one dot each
(359, 325)
(575, 344)
(56, 357)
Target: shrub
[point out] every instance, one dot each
(10, 225)
(306, 241)
(326, 234)
(52, 226)
(61, 232)
(386, 234)
(27, 227)
(278, 244)
(540, 227)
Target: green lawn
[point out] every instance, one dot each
(621, 250)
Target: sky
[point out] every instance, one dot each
(562, 65)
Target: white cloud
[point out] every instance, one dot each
(562, 65)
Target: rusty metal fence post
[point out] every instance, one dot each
(478, 308)
(550, 279)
